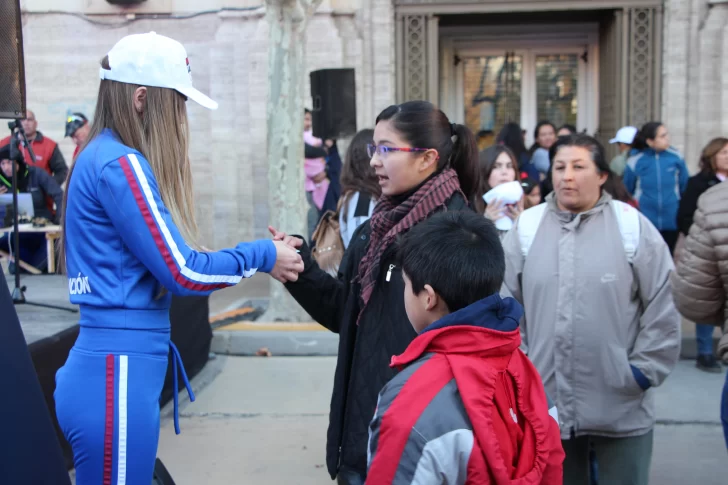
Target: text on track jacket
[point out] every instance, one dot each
(122, 245)
(468, 408)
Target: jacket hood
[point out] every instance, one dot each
(575, 219)
(487, 327)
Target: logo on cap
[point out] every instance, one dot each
(187, 60)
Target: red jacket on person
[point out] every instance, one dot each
(468, 407)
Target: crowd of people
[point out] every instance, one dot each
(600, 339)
(470, 351)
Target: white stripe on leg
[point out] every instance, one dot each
(123, 377)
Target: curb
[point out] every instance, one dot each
(235, 332)
(308, 339)
(280, 339)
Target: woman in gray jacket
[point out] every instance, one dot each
(600, 324)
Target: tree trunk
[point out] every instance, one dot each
(287, 21)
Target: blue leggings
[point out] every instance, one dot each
(107, 404)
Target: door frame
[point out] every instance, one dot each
(528, 41)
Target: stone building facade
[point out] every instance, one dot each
(597, 63)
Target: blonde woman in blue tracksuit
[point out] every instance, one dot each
(127, 244)
(656, 176)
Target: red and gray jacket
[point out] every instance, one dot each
(467, 408)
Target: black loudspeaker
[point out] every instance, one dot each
(12, 68)
(334, 103)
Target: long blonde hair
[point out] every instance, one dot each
(161, 134)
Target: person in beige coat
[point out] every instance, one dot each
(600, 325)
(700, 283)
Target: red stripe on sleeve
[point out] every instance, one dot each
(402, 415)
(109, 429)
(157, 235)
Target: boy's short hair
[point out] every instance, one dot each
(458, 253)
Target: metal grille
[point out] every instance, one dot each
(415, 57)
(641, 69)
(12, 75)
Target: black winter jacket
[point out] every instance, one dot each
(689, 200)
(36, 182)
(362, 368)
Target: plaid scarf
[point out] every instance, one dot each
(391, 219)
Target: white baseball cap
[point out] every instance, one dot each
(625, 135)
(153, 60)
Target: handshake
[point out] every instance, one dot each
(288, 259)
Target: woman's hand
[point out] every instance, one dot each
(513, 211)
(288, 259)
(320, 177)
(288, 263)
(292, 241)
(495, 210)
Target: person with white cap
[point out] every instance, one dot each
(623, 139)
(128, 242)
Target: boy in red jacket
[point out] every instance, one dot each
(468, 407)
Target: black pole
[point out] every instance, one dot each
(18, 292)
(16, 233)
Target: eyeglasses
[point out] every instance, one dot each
(382, 150)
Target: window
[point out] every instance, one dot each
(492, 91)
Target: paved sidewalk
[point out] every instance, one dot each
(263, 420)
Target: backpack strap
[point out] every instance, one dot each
(628, 220)
(362, 205)
(528, 223)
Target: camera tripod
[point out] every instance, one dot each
(19, 291)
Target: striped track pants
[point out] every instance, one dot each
(108, 409)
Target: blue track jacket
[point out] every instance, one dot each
(122, 246)
(657, 181)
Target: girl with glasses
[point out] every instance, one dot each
(424, 165)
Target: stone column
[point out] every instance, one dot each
(287, 20)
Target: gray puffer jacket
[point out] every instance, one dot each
(600, 331)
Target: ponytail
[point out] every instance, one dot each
(648, 132)
(464, 160)
(640, 142)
